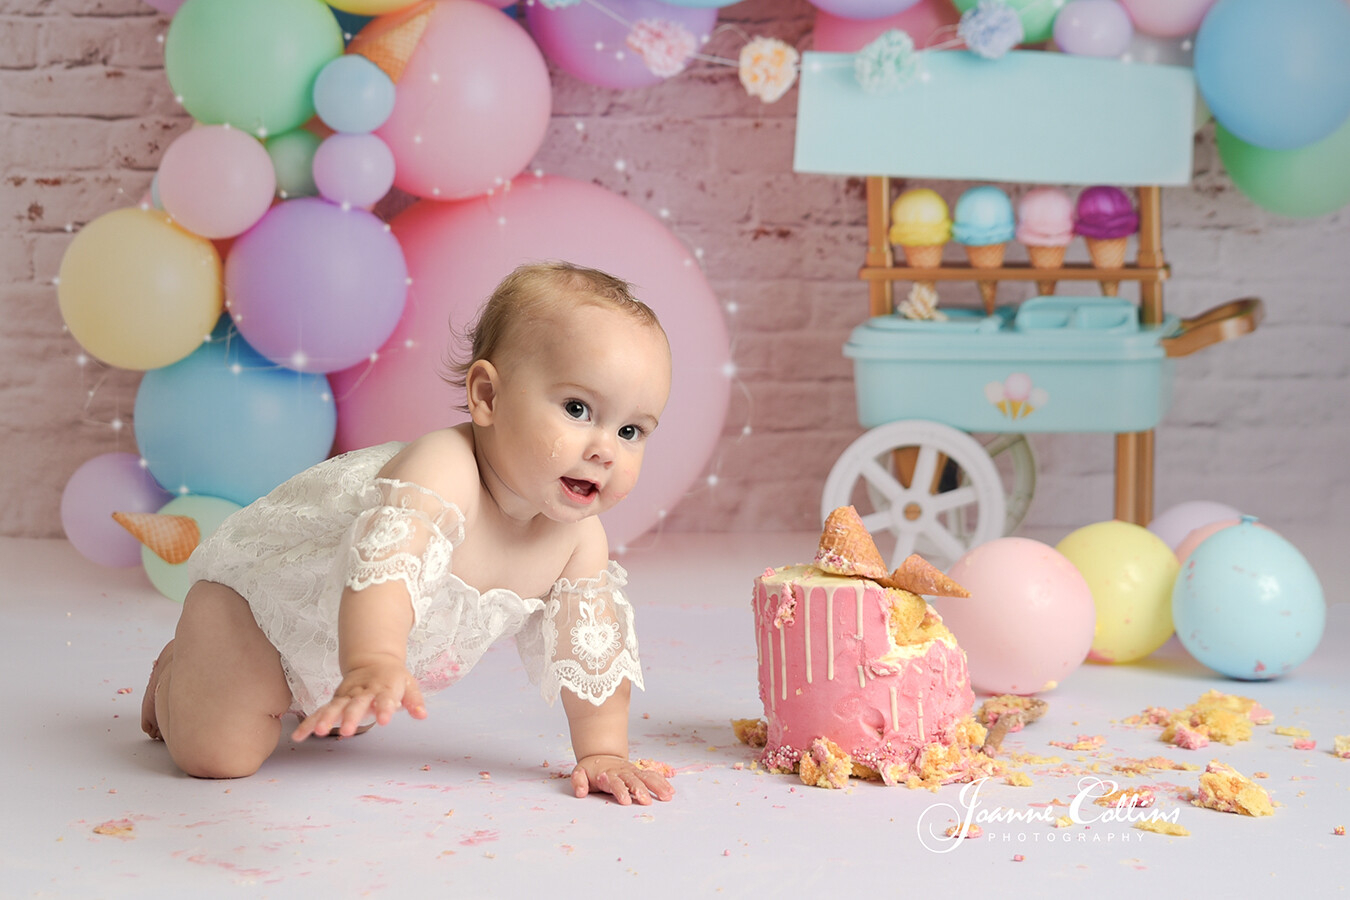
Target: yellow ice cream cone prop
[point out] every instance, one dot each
(171, 538)
(389, 41)
(921, 226)
(986, 256)
(1108, 253)
(1046, 258)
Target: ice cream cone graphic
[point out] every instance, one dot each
(171, 538)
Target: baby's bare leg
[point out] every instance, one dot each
(219, 691)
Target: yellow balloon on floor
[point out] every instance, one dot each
(137, 291)
(371, 7)
(1131, 572)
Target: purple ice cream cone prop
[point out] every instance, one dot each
(1106, 218)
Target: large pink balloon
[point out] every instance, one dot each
(457, 252)
(922, 22)
(216, 181)
(589, 43)
(472, 106)
(1167, 18)
(863, 9)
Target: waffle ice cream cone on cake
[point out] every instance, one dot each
(847, 549)
(1106, 218)
(389, 41)
(983, 224)
(1045, 227)
(171, 538)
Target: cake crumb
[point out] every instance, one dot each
(122, 828)
(959, 831)
(1342, 746)
(751, 732)
(1224, 789)
(1017, 857)
(1084, 742)
(1018, 779)
(1162, 826)
(826, 766)
(1135, 798)
(652, 765)
(1305, 744)
(1063, 822)
(1290, 731)
(1339, 830)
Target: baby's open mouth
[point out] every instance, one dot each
(580, 488)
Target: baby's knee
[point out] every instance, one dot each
(227, 757)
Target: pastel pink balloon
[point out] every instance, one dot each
(353, 169)
(1167, 18)
(923, 22)
(457, 252)
(1029, 619)
(216, 181)
(472, 106)
(103, 485)
(1198, 536)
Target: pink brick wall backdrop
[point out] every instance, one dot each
(86, 113)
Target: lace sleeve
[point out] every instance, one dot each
(585, 640)
(409, 535)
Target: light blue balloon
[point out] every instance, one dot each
(353, 95)
(171, 579)
(1276, 75)
(226, 422)
(1247, 603)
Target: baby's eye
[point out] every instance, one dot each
(577, 410)
(630, 433)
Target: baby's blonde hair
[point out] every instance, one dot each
(533, 291)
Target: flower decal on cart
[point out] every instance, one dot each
(1016, 397)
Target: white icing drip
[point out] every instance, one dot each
(773, 698)
(782, 652)
(829, 634)
(860, 593)
(806, 628)
(921, 735)
(895, 710)
(862, 677)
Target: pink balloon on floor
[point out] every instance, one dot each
(472, 106)
(457, 252)
(103, 485)
(922, 22)
(216, 181)
(588, 43)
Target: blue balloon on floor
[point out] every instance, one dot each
(1248, 604)
(229, 423)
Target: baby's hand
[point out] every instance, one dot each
(378, 688)
(616, 775)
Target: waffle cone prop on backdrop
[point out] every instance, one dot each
(1108, 253)
(847, 549)
(923, 256)
(389, 41)
(171, 538)
(1046, 258)
(986, 256)
(918, 576)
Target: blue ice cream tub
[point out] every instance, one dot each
(1052, 364)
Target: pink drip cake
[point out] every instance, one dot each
(857, 673)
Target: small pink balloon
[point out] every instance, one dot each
(1198, 536)
(216, 181)
(1028, 622)
(1167, 18)
(1017, 386)
(103, 485)
(353, 169)
(925, 22)
(472, 106)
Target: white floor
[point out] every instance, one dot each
(469, 802)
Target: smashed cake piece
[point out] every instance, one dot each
(1005, 714)
(752, 732)
(1188, 738)
(847, 549)
(1084, 742)
(1225, 789)
(654, 765)
(826, 766)
(1305, 744)
(1290, 731)
(1216, 716)
(1341, 748)
(1018, 779)
(1162, 826)
(1133, 798)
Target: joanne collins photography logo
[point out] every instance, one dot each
(939, 835)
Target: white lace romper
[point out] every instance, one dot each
(291, 553)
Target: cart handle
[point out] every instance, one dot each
(1222, 323)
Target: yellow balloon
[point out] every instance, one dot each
(1131, 572)
(371, 7)
(137, 291)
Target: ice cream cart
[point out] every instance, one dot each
(1051, 363)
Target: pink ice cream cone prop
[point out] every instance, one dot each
(920, 227)
(1106, 218)
(1045, 226)
(171, 538)
(389, 41)
(983, 224)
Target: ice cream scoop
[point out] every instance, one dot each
(920, 226)
(984, 225)
(1106, 218)
(1045, 226)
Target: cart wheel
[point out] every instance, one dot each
(1015, 459)
(891, 475)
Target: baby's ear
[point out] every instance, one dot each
(480, 387)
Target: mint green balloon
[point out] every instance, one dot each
(293, 159)
(250, 63)
(1038, 16)
(171, 579)
(1304, 182)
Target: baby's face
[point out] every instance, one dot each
(575, 412)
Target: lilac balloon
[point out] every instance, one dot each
(590, 45)
(353, 169)
(314, 287)
(113, 482)
(863, 9)
(1093, 28)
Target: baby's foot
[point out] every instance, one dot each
(149, 724)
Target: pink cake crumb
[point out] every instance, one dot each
(1305, 744)
(1190, 738)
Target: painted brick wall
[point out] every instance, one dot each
(86, 112)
